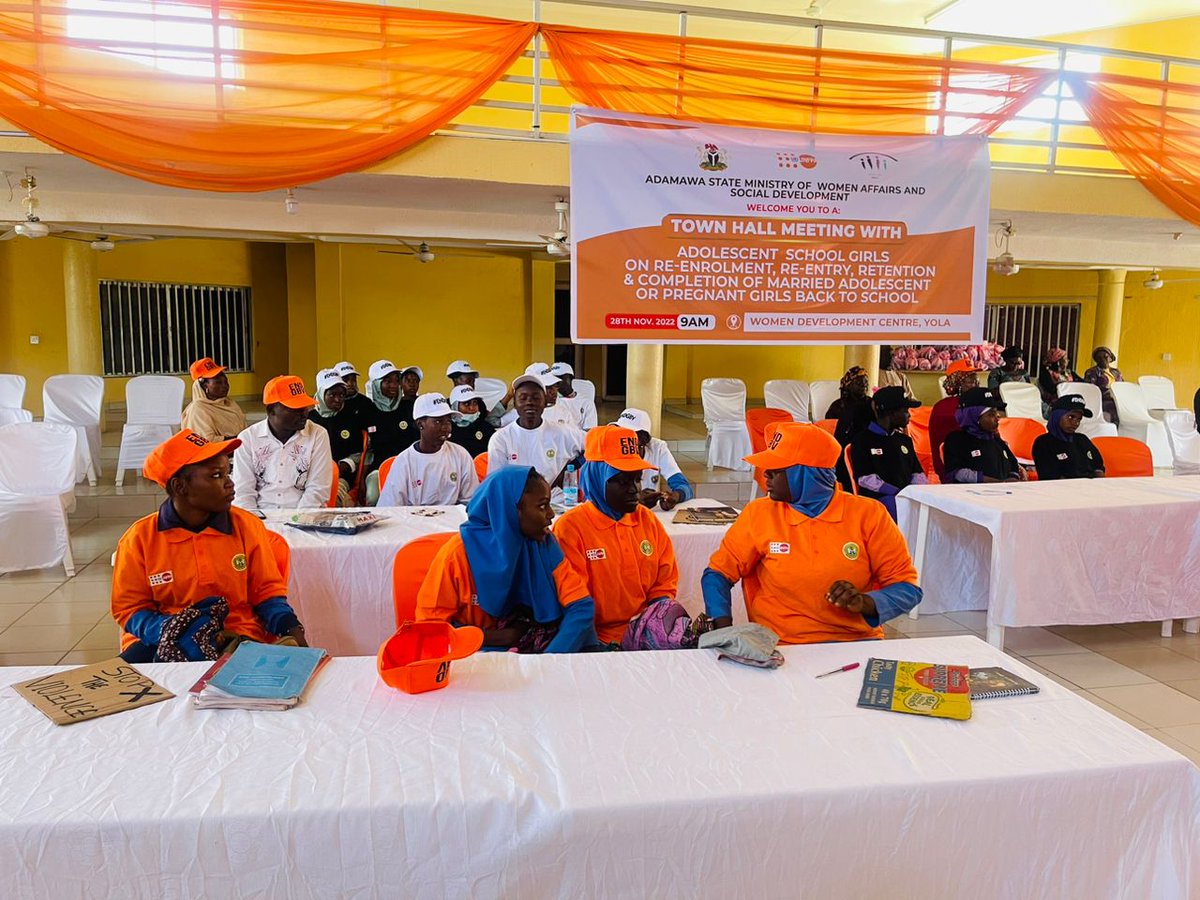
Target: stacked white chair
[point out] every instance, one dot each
(1158, 391)
(1024, 401)
(153, 405)
(724, 402)
(788, 394)
(14, 416)
(821, 397)
(37, 478)
(12, 391)
(77, 400)
(492, 390)
(1136, 422)
(1095, 426)
(942, 386)
(1185, 441)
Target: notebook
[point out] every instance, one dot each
(923, 689)
(996, 682)
(266, 671)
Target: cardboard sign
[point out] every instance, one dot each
(90, 692)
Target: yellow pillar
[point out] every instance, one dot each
(865, 355)
(81, 289)
(542, 281)
(644, 381)
(1110, 300)
(328, 305)
(302, 312)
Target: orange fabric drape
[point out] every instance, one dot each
(796, 88)
(1153, 129)
(292, 93)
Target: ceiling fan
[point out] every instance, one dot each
(557, 243)
(423, 253)
(32, 227)
(1155, 281)
(1005, 264)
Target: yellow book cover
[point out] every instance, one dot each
(923, 689)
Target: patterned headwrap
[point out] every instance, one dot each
(853, 374)
(1053, 356)
(957, 382)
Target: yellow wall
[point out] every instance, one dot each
(1158, 322)
(32, 302)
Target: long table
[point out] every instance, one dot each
(341, 585)
(663, 774)
(1079, 552)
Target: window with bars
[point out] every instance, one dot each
(1036, 328)
(153, 328)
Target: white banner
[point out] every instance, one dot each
(691, 233)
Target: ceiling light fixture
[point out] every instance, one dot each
(290, 204)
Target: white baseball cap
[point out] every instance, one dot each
(542, 371)
(528, 379)
(561, 368)
(344, 368)
(326, 379)
(460, 367)
(381, 368)
(417, 369)
(634, 419)
(462, 394)
(432, 404)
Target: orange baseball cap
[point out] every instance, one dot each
(288, 390)
(181, 450)
(961, 365)
(798, 444)
(616, 446)
(205, 368)
(417, 657)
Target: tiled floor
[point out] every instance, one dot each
(1129, 670)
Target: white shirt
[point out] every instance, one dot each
(430, 479)
(658, 454)
(271, 475)
(563, 412)
(584, 410)
(547, 448)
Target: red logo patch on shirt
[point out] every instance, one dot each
(781, 547)
(513, 457)
(595, 555)
(161, 578)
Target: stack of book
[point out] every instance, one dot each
(259, 677)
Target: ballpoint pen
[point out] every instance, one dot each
(845, 668)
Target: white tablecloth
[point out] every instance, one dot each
(597, 775)
(341, 585)
(1072, 552)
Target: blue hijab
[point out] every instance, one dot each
(1054, 425)
(593, 479)
(812, 488)
(509, 570)
(967, 418)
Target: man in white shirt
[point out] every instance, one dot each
(585, 409)
(284, 461)
(532, 441)
(433, 471)
(673, 487)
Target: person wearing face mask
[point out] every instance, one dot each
(976, 453)
(1062, 452)
(619, 547)
(462, 373)
(211, 414)
(816, 564)
(469, 429)
(882, 456)
(433, 471)
(1013, 369)
(391, 430)
(505, 573)
(342, 424)
(1103, 375)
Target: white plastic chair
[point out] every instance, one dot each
(14, 416)
(1024, 401)
(153, 405)
(789, 394)
(1185, 441)
(942, 385)
(585, 389)
(724, 402)
(492, 390)
(1158, 391)
(1136, 422)
(37, 476)
(12, 391)
(77, 400)
(1095, 426)
(821, 397)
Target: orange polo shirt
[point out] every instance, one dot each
(626, 564)
(168, 571)
(448, 592)
(787, 562)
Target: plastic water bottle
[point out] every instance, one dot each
(570, 487)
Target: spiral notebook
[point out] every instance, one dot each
(996, 682)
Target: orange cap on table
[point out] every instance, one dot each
(181, 450)
(205, 368)
(417, 657)
(288, 390)
(616, 446)
(798, 444)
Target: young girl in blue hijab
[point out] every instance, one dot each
(1062, 452)
(977, 453)
(505, 573)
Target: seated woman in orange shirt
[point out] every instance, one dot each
(816, 564)
(505, 573)
(618, 546)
